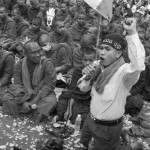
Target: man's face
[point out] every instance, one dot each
(88, 59)
(34, 54)
(21, 2)
(108, 55)
(92, 31)
(63, 8)
(71, 12)
(117, 12)
(15, 16)
(105, 26)
(81, 20)
(79, 2)
(35, 25)
(46, 45)
(91, 12)
(137, 16)
(3, 13)
(141, 36)
(60, 28)
(44, 7)
(34, 4)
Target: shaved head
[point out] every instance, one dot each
(31, 45)
(44, 38)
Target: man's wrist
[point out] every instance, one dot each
(131, 32)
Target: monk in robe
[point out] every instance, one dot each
(87, 41)
(93, 31)
(78, 28)
(34, 32)
(146, 89)
(44, 7)
(21, 24)
(59, 53)
(79, 6)
(2, 3)
(61, 35)
(117, 17)
(53, 4)
(108, 28)
(35, 77)
(9, 4)
(7, 28)
(105, 25)
(21, 4)
(71, 18)
(33, 10)
(91, 19)
(7, 62)
(62, 13)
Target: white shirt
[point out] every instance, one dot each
(110, 105)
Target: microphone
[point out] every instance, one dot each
(95, 64)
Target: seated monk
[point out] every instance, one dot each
(21, 24)
(105, 25)
(7, 62)
(87, 41)
(7, 28)
(78, 28)
(53, 4)
(61, 35)
(117, 17)
(35, 78)
(61, 13)
(93, 31)
(135, 100)
(74, 102)
(33, 33)
(146, 89)
(59, 53)
(91, 19)
(44, 7)
(79, 6)
(71, 18)
(107, 28)
(33, 10)
(21, 4)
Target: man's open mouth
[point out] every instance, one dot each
(101, 58)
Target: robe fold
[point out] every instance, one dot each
(44, 88)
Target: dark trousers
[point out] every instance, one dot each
(105, 137)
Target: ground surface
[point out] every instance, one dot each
(23, 133)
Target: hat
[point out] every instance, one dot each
(115, 40)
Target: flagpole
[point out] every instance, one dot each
(99, 31)
(98, 35)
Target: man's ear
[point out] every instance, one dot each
(119, 53)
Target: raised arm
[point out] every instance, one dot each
(136, 54)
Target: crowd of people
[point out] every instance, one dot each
(34, 50)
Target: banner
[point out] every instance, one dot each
(103, 7)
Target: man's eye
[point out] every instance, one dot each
(108, 49)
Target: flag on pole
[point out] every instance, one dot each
(104, 7)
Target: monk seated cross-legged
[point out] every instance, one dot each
(7, 62)
(33, 88)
